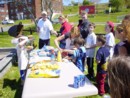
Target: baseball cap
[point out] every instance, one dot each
(110, 23)
(44, 12)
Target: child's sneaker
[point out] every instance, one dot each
(106, 96)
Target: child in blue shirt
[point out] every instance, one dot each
(102, 57)
(79, 53)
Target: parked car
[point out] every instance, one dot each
(8, 22)
(55, 20)
(55, 17)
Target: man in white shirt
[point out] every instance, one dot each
(44, 28)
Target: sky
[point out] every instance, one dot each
(67, 2)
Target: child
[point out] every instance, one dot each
(118, 77)
(90, 49)
(69, 38)
(64, 29)
(101, 60)
(20, 41)
(123, 47)
(83, 25)
(110, 40)
(79, 53)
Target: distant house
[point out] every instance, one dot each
(16, 10)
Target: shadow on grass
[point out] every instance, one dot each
(14, 85)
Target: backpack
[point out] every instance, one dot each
(15, 30)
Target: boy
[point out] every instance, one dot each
(90, 49)
(79, 53)
(101, 60)
(20, 41)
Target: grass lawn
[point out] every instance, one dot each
(10, 83)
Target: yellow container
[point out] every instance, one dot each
(104, 66)
(59, 57)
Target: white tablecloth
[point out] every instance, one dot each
(58, 87)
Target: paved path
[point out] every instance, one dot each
(6, 27)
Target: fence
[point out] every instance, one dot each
(30, 30)
(1, 29)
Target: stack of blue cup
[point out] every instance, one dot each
(79, 81)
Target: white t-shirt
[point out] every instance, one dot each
(110, 41)
(45, 28)
(21, 52)
(90, 40)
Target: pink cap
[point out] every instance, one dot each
(110, 23)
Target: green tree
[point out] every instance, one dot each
(86, 2)
(74, 3)
(127, 3)
(117, 4)
(27, 7)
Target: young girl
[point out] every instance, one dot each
(126, 30)
(79, 53)
(123, 47)
(68, 38)
(118, 77)
(110, 40)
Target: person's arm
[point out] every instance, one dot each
(58, 39)
(69, 51)
(54, 32)
(98, 57)
(97, 61)
(122, 51)
(108, 46)
(110, 41)
(38, 29)
(22, 41)
(93, 43)
(89, 47)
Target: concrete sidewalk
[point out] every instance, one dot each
(6, 59)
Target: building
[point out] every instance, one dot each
(3, 10)
(16, 10)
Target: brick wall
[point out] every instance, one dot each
(15, 9)
(38, 8)
(3, 11)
